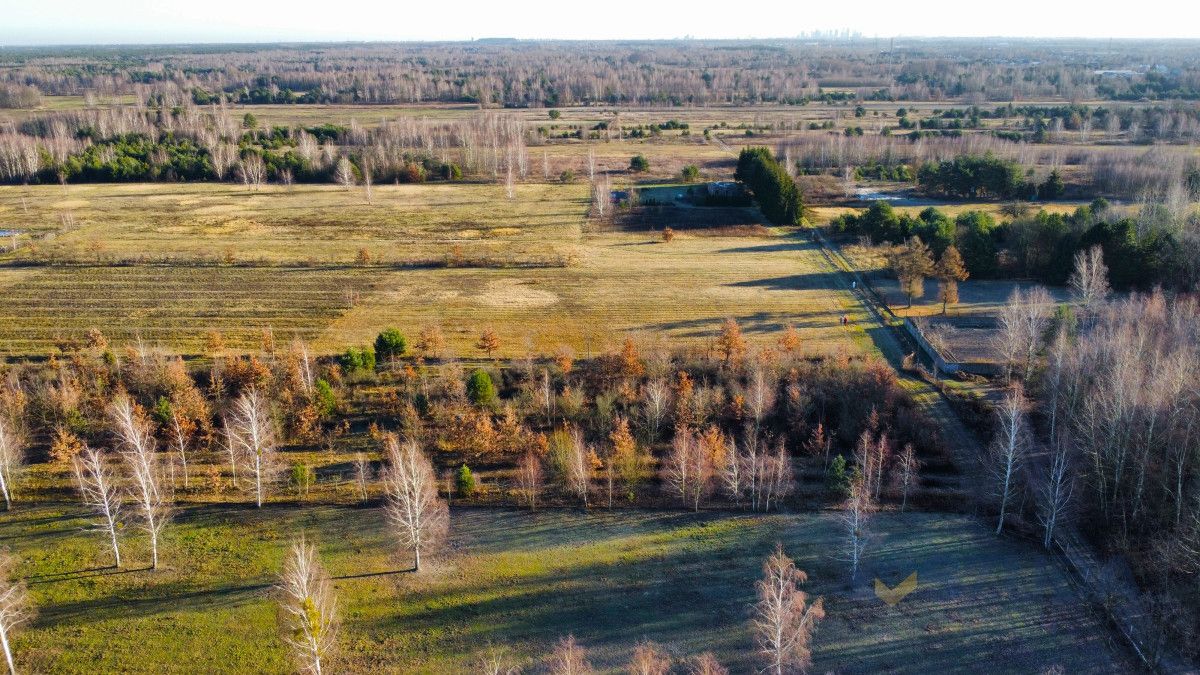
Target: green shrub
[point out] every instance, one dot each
(162, 411)
(480, 388)
(357, 360)
(690, 173)
(325, 399)
(639, 163)
(837, 480)
(302, 478)
(464, 481)
(389, 345)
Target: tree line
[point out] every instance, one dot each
(1146, 249)
(1097, 433)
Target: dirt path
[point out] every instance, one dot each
(954, 434)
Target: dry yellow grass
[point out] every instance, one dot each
(554, 278)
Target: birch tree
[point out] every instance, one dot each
(309, 611)
(648, 659)
(529, 478)
(707, 664)
(98, 489)
(656, 401)
(417, 515)
(580, 466)
(569, 658)
(137, 448)
(362, 475)
(180, 433)
(681, 467)
(908, 473)
(1089, 279)
(252, 437)
(344, 173)
(854, 520)
(497, 661)
(12, 449)
(784, 619)
(733, 476)
(760, 398)
(776, 478)
(15, 608)
(1008, 448)
(1054, 494)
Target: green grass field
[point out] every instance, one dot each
(522, 580)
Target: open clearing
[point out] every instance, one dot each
(611, 578)
(150, 261)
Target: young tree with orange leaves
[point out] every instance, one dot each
(629, 461)
(489, 342)
(731, 344)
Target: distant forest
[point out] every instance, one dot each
(547, 74)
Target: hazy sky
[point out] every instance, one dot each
(24, 22)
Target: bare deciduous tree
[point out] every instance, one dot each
(12, 448)
(419, 517)
(775, 478)
(569, 658)
(784, 618)
(688, 469)
(137, 449)
(529, 478)
(854, 519)
(1089, 280)
(366, 178)
(309, 612)
(99, 491)
(252, 437)
(908, 473)
(344, 173)
(362, 475)
(602, 196)
(648, 659)
(707, 664)
(497, 661)
(656, 401)
(760, 398)
(180, 437)
(733, 476)
(1054, 493)
(1023, 321)
(252, 171)
(580, 466)
(15, 609)
(1008, 448)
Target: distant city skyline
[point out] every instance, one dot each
(219, 21)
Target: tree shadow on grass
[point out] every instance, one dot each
(807, 281)
(147, 601)
(74, 575)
